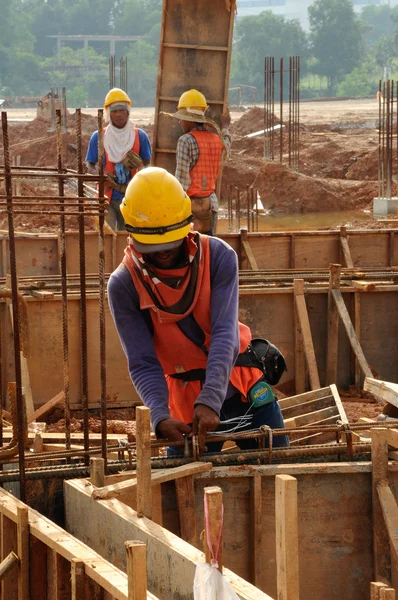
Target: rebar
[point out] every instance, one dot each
(101, 278)
(15, 307)
(293, 122)
(82, 268)
(388, 115)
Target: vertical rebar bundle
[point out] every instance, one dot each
(123, 74)
(293, 121)
(388, 116)
(123, 82)
(112, 72)
(237, 213)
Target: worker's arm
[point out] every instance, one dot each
(184, 159)
(224, 344)
(92, 154)
(136, 338)
(145, 148)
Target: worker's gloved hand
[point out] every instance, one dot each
(132, 160)
(172, 429)
(205, 419)
(225, 120)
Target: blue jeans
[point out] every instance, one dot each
(269, 414)
(114, 216)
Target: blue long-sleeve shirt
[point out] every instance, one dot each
(135, 333)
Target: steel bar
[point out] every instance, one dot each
(64, 287)
(281, 110)
(15, 307)
(82, 266)
(101, 273)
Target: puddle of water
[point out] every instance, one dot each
(296, 222)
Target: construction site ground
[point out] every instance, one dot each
(336, 183)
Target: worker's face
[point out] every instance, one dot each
(167, 259)
(119, 118)
(187, 126)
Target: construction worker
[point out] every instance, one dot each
(174, 300)
(199, 155)
(126, 151)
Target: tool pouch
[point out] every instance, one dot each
(265, 356)
(202, 214)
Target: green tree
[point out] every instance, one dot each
(378, 23)
(262, 35)
(360, 82)
(335, 34)
(142, 70)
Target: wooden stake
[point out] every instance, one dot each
(23, 552)
(287, 564)
(77, 579)
(333, 326)
(185, 491)
(346, 247)
(375, 589)
(387, 594)
(136, 570)
(381, 543)
(144, 484)
(9, 586)
(299, 355)
(357, 325)
(306, 332)
(213, 495)
(97, 471)
(257, 546)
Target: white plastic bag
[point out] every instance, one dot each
(209, 584)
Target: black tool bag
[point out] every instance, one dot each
(265, 356)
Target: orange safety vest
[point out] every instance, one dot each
(110, 166)
(175, 352)
(205, 172)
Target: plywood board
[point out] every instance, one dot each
(370, 249)
(195, 52)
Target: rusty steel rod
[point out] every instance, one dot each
(64, 287)
(101, 273)
(15, 309)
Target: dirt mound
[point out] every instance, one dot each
(283, 190)
(251, 121)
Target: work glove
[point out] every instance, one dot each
(132, 160)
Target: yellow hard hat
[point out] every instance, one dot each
(116, 95)
(155, 208)
(192, 99)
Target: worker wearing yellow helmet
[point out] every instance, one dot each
(199, 155)
(174, 300)
(126, 151)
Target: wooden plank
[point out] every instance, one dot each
(78, 579)
(256, 532)
(58, 573)
(213, 522)
(357, 326)
(355, 345)
(185, 492)
(23, 552)
(306, 333)
(9, 585)
(387, 593)
(287, 563)
(46, 407)
(299, 354)
(38, 569)
(7, 564)
(333, 326)
(306, 397)
(381, 546)
(159, 476)
(390, 511)
(136, 570)
(248, 249)
(384, 390)
(157, 504)
(307, 407)
(345, 247)
(144, 483)
(313, 417)
(97, 471)
(338, 402)
(42, 294)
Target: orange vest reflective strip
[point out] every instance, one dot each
(176, 353)
(205, 172)
(110, 166)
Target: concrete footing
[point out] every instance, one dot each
(385, 206)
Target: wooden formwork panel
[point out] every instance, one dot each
(195, 52)
(316, 251)
(334, 525)
(91, 253)
(370, 249)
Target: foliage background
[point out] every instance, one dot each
(342, 54)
